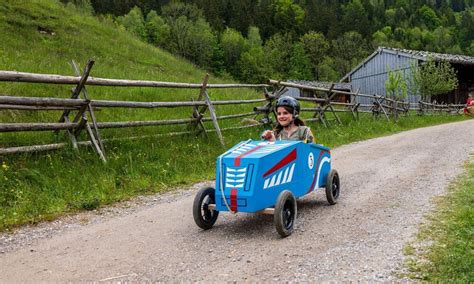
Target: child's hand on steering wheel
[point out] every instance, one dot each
(268, 135)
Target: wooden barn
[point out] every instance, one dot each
(369, 76)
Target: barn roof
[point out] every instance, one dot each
(416, 54)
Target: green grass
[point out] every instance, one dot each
(449, 257)
(42, 186)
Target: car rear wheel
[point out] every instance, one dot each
(333, 187)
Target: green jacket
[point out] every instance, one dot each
(303, 133)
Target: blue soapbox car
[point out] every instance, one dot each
(267, 177)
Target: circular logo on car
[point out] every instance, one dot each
(311, 161)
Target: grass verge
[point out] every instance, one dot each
(444, 251)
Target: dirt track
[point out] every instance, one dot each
(387, 187)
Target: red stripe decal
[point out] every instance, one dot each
(316, 171)
(237, 160)
(285, 161)
(233, 199)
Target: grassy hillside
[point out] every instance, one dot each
(41, 186)
(71, 35)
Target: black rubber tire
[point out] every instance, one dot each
(203, 216)
(285, 213)
(333, 187)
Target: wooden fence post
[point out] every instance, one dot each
(74, 95)
(355, 106)
(268, 107)
(395, 109)
(319, 112)
(198, 112)
(90, 109)
(77, 90)
(327, 104)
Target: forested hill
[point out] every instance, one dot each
(318, 39)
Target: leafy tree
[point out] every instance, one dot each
(190, 35)
(287, 16)
(213, 11)
(316, 47)
(253, 36)
(327, 71)
(355, 18)
(454, 49)
(414, 38)
(180, 31)
(158, 31)
(385, 37)
(176, 9)
(395, 85)
(470, 49)
(399, 34)
(202, 42)
(321, 16)
(85, 6)
(379, 38)
(278, 51)
(134, 23)
(252, 66)
(263, 18)
(348, 50)
(217, 62)
(431, 78)
(233, 44)
(239, 15)
(442, 39)
(391, 17)
(428, 17)
(457, 5)
(300, 64)
(122, 7)
(466, 28)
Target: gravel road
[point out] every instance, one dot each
(387, 187)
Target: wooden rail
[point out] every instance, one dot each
(84, 118)
(83, 107)
(93, 81)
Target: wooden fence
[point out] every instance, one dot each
(78, 111)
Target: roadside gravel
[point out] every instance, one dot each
(387, 186)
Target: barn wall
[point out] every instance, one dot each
(370, 78)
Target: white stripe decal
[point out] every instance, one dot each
(272, 183)
(323, 161)
(266, 183)
(290, 176)
(285, 175)
(279, 179)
